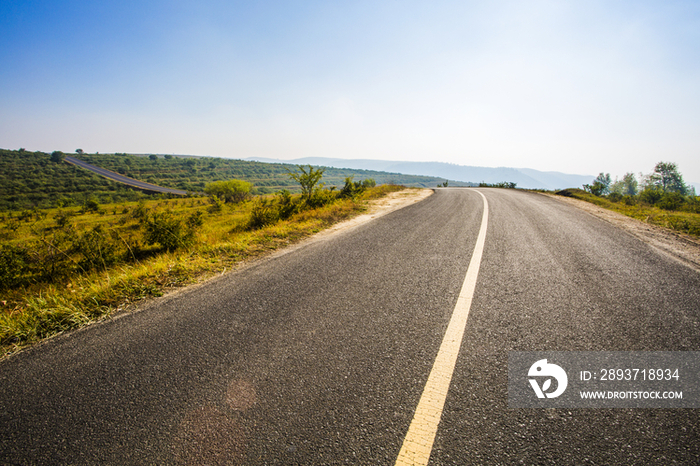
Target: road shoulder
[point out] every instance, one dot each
(682, 248)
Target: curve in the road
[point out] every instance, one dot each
(123, 179)
(319, 356)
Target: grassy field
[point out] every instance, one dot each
(685, 221)
(65, 268)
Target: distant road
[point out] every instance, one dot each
(123, 179)
(319, 356)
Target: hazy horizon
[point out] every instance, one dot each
(570, 87)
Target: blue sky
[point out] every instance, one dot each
(578, 87)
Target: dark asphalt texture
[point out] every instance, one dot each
(319, 356)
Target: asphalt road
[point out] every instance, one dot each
(320, 356)
(123, 179)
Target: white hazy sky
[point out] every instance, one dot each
(572, 86)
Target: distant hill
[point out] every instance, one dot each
(524, 177)
(31, 179)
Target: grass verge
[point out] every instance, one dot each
(684, 222)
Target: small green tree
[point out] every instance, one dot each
(629, 184)
(57, 156)
(230, 190)
(667, 177)
(351, 188)
(153, 157)
(369, 183)
(308, 179)
(600, 186)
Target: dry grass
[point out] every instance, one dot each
(39, 310)
(684, 222)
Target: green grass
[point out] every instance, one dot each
(681, 221)
(42, 307)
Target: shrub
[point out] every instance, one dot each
(671, 201)
(615, 197)
(286, 205)
(63, 218)
(351, 189)
(263, 213)
(651, 195)
(96, 248)
(230, 191)
(168, 231)
(140, 212)
(321, 197)
(308, 180)
(14, 264)
(91, 205)
(195, 220)
(216, 204)
(51, 255)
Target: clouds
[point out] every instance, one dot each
(567, 86)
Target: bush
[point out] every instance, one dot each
(351, 189)
(140, 212)
(615, 197)
(369, 183)
(97, 249)
(321, 197)
(91, 206)
(651, 195)
(263, 213)
(216, 204)
(286, 205)
(671, 201)
(63, 218)
(14, 264)
(309, 180)
(230, 191)
(168, 231)
(50, 256)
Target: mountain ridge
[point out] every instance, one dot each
(524, 177)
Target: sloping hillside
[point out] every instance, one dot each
(31, 179)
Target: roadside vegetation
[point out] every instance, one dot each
(659, 198)
(41, 180)
(64, 267)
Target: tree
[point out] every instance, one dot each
(78, 151)
(667, 177)
(57, 156)
(626, 186)
(600, 186)
(153, 157)
(629, 184)
(308, 180)
(229, 191)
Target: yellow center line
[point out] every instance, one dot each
(419, 440)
